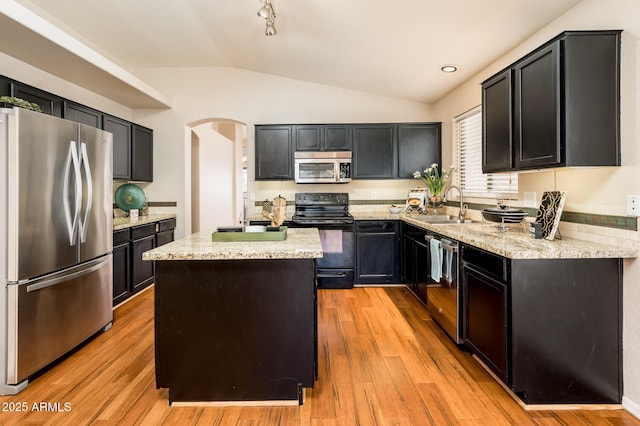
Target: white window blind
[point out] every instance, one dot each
(468, 133)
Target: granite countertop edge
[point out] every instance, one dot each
(124, 222)
(299, 244)
(517, 244)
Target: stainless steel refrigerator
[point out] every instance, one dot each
(56, 233)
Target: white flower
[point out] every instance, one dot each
(433, 166)
(416, 175)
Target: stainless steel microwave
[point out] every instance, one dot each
(322, 166)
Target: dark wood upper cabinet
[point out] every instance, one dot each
(419, 146)
(142, 154)
(337, 137)
(375, 151)
(82, 114)
(132, 143)
(274, 152)
(497, 123)
(563, 105)
(122, 133)
(308, 137)
(48, 103)
(537, 109)
(322, 137)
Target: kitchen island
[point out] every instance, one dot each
(235, 322)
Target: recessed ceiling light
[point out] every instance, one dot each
(449, 68)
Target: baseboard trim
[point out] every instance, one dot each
(631, 406)
(545, 407)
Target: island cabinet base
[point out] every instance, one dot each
(235, 330)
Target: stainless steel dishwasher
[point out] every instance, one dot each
(443, 297)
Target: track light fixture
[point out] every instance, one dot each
(269, 15)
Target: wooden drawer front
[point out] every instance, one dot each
(492, 264)
(143, 231)
(121, 236)
(165, 225)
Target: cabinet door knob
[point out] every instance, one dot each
(439, 310)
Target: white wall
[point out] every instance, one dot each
(216, 171)
(592, 190)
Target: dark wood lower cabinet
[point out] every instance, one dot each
(549, 328)
(377, 251)
(141, 271)
(236, 330)
(130, 273)
(121, 265)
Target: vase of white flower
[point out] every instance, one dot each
(437, 183)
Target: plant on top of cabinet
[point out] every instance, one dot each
(558, 106)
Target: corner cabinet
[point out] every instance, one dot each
(419, 146)
(121, 130)
(142, 154)
(132, 150)
(274, 152)
(558, 106)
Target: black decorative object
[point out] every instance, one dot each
(550, 211)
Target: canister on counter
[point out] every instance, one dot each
(535, 230)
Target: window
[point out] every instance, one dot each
(468, 144)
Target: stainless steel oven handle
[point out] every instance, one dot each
(336, 275)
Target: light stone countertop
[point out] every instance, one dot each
(301, 243)
(124, 222)
(514, 243)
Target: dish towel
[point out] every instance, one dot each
(448, 262)
(436, 259)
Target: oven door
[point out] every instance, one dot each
(335, 267)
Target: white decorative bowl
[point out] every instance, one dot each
(395, 210)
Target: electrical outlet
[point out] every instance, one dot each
(530, 199)
(633, 205)
(374, 195)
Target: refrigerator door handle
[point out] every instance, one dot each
(84, 160)
(65, 276)
(72, 219)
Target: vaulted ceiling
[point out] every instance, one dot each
(388, 48)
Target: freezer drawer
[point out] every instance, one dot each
(55, 313)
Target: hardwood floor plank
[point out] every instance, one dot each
(382, 361)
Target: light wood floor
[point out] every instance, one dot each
(382, 362)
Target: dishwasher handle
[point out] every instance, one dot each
(447, 245)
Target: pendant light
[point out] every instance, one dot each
(267, 13)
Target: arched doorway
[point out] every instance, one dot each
(218, 173)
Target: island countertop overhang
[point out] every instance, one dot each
(301, 243)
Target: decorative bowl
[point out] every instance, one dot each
(129, 196)
(395, 209)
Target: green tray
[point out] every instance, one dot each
(251, 236)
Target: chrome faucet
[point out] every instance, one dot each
(463, 208)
